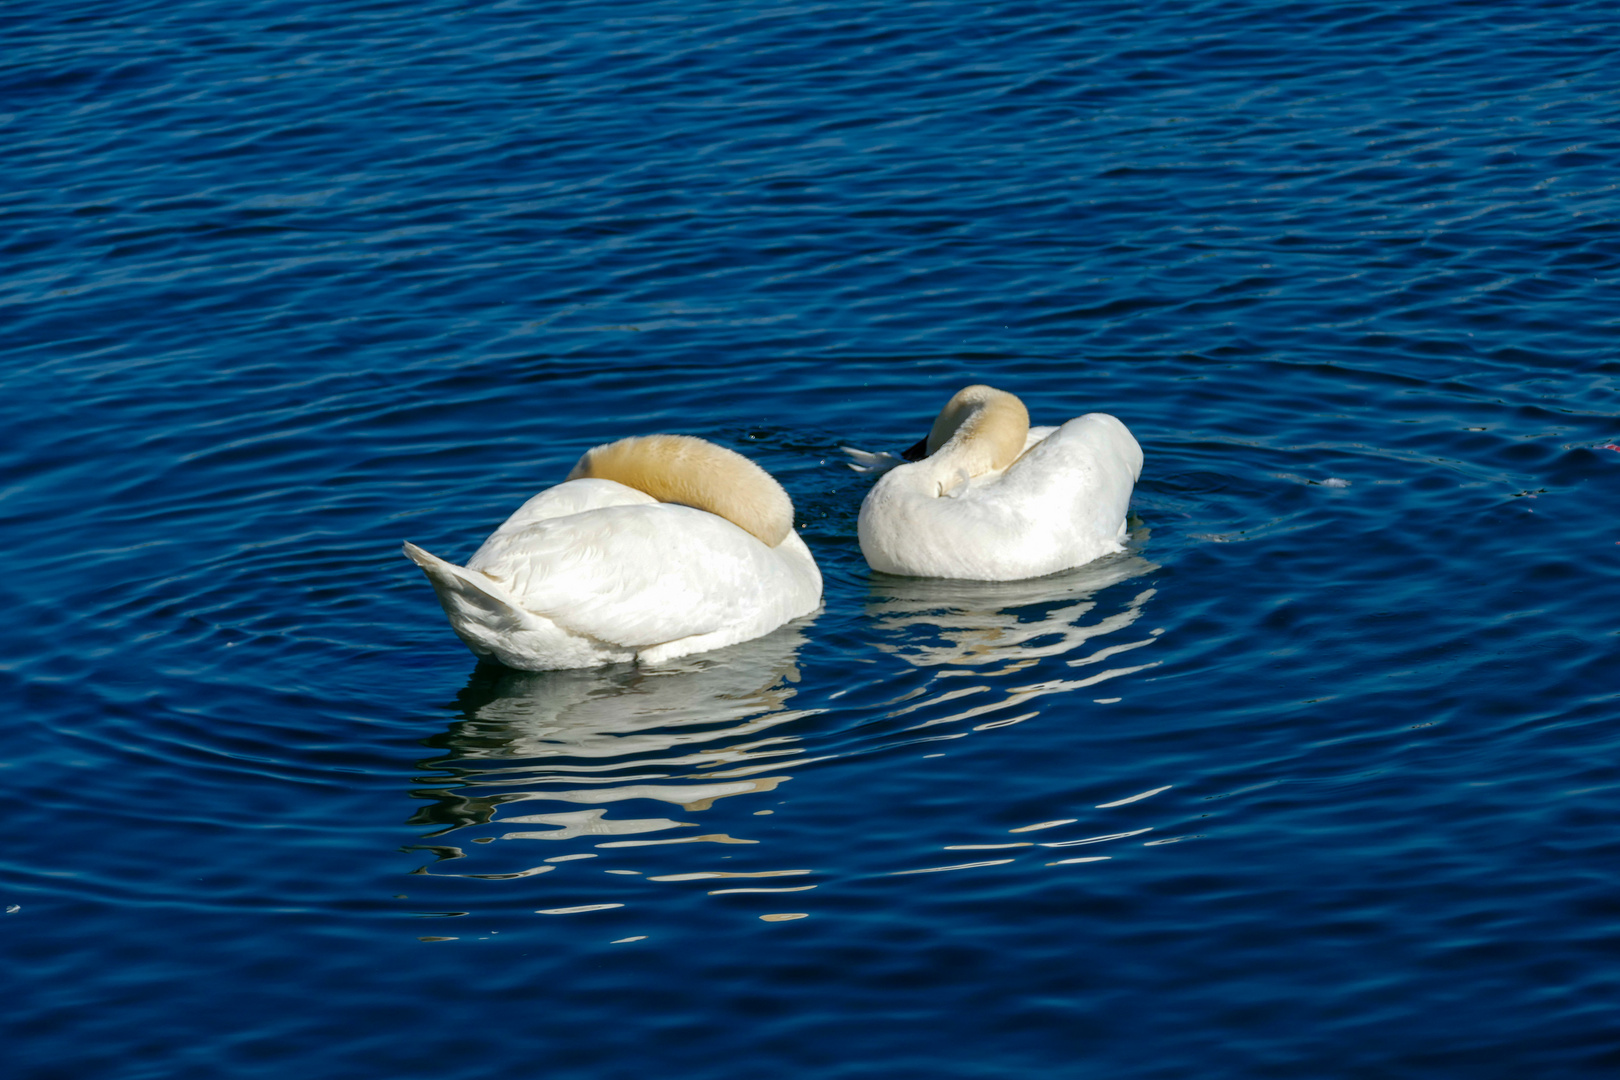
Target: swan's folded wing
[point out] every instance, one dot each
(1089, 451)
(634, 576)
(572, 497)
(1082, 473)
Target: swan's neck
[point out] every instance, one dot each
(981, 430)
(693, 472)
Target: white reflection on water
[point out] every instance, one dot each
(983, 635)
(997, 622)
(613, 764)
(685, 734)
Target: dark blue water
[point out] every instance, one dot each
(286, 284)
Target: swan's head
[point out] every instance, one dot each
(693, 472)
(983, 427)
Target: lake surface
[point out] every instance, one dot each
(1321, 778)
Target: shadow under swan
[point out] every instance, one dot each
(976, 637)
(597, 737)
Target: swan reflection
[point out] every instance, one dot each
(978, 632)
(601, 781)
(683, 734)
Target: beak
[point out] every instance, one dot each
(918, 452)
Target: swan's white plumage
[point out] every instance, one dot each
(956, 514)
(593, 571)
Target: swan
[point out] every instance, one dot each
(653, 548)
(988, 498)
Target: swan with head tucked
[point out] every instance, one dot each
(653, 548)
(988, 498)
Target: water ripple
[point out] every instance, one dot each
(285, 286)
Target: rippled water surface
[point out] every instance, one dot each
(1320, 778)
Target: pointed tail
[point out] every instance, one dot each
(480, 610)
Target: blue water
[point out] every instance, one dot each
(286, 284)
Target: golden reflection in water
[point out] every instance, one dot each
(978, 637)
(574, 745)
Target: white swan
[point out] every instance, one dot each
(653, 548)
(997, 500)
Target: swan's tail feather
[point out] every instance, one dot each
(875, 464)
(480, 611)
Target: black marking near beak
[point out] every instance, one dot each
(918, 452)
